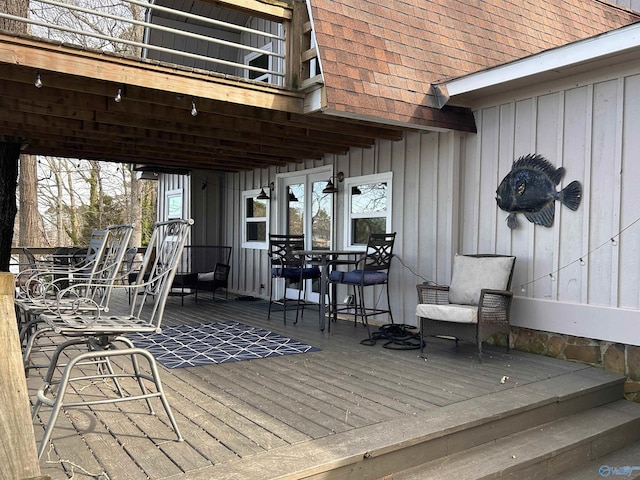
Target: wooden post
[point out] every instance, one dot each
(18, 457)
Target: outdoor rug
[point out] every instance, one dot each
(207, 343)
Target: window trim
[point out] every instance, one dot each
(253, 193)
(353, 181)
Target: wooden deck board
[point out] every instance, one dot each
(348, 399)
(313, 397)
(233, 407)
(272, 408)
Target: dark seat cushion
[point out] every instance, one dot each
(358, 277)
(293, 273)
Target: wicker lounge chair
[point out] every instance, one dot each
(475, 306)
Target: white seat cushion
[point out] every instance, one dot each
(206, 277)
(448, 313)
(472, 274)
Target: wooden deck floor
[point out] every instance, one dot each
(267, 418)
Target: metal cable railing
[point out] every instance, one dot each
(198, 45)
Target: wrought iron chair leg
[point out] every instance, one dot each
(284, 302)
(386, 287)
(58, 402)
(136, 372)
(357, 305)
(270, 300)
(156, 380)
(56, 406)
(28, 349)
(298, 305)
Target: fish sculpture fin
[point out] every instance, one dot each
(571, 195)
(544, 216)
(537, 162)
(512, 221)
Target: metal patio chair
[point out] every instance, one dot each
(291, 268)
(100, 331)
(475, 306)
(370, 270)
(38, 289)
(212, 281)
(43, 292)
(60, 271)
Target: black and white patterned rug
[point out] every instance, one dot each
(206, 343)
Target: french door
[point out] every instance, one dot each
(305, 209)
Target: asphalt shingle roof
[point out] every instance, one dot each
(380, 58)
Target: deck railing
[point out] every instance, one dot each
(241, 45)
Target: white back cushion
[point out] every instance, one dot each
(472, 274)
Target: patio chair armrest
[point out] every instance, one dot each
(434, 294)
(331, 264)
(494, 306)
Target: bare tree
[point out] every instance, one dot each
(19, 8)
(29, 229)
(135, 207)
(83, 26)
(88, 28)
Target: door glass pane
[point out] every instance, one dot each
(295, 209)
(321, 213)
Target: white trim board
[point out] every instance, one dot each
(588, 321)
(610, 43)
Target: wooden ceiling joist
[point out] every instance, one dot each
(238, 126)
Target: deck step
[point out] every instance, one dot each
(623, 463)
(543, 451)
(414, 447)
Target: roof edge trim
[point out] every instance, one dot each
(384, 122)
(615, 41)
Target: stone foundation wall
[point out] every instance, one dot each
(614, 357)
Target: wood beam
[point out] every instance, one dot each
(72, 61)
(270, 9)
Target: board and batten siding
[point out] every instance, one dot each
(444, 187)
(424, 173)
(173, 183)
(581, 276)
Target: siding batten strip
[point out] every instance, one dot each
(617, 193)
(531, 247)
(586, 191)
(555, 286)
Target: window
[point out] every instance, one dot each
(173, 204)
(255, 220)
(367, 207)
(259, 60)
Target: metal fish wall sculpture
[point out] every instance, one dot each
(530, 189)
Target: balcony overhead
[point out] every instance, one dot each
(241, 84)
(237, 124)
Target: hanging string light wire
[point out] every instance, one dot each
(581, 260)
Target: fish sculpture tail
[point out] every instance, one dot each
(571, 195)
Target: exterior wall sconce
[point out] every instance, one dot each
(331, 188)
(118, 97)
(263, 195)
(38, 82)
(194, 110)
